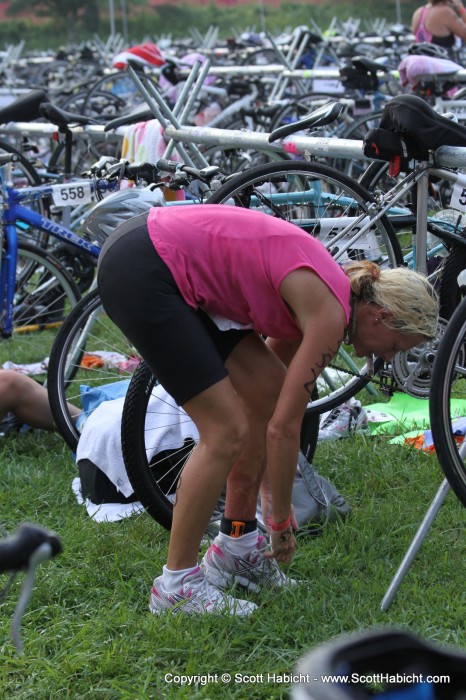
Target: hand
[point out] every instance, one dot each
(283, 546)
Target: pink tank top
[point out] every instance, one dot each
(231, 261)
(423, 34)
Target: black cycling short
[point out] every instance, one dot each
(184, 348)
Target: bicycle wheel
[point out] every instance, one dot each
(44, 294)
(113, 95)
(89, 350)
(154, 468)
(449, 292)
(332, 207)
(84, 153)
(448, 401)
(153, 477)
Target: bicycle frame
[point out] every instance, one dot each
(14, 214)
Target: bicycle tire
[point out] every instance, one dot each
(113, 95)
(322, 211)
(27, 171)
(154, 478)
(44, 294)
(448, 384)
(87, 329)
(449, 292)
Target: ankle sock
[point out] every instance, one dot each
(239, 545)
(173, 580)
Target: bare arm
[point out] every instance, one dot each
(416, 18)
(454, 22)
(321, 318)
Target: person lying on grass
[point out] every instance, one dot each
(27, 400)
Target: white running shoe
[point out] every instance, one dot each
(196, 596)
(344, 420)
(253, 571)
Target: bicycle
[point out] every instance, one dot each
(28, 547)
(63, 156)
(36, 290)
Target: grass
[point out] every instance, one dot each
(87, 631)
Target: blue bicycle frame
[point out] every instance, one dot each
(15, 215)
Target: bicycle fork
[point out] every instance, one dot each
(9, 259)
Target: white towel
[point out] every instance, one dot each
(106, 512)
(100, 441)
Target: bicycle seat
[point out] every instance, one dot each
(367, 64)
(62, 118)
(127, 119)
(313, 38)
(420, 126)
(397, 662)
(25, 108)
(320, 117)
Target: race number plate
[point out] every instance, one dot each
(72, 194)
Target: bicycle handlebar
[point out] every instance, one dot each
(109, 168)
(17, 550)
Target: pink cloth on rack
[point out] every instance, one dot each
(412, 68)
(145, 142)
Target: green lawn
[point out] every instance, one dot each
(87, 631)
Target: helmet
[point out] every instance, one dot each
(425, 49)
(118, 207)
(147, 54)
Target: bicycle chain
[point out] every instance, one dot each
(384, 378)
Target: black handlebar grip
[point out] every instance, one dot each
(16, 549)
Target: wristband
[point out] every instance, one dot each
(280, 527)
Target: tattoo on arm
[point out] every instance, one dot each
(286, 535)
(319, 366)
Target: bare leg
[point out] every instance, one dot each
(231, 418)
(257, 375)
(223, 429)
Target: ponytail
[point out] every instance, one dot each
(407, 294)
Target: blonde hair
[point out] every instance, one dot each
(406, 294)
